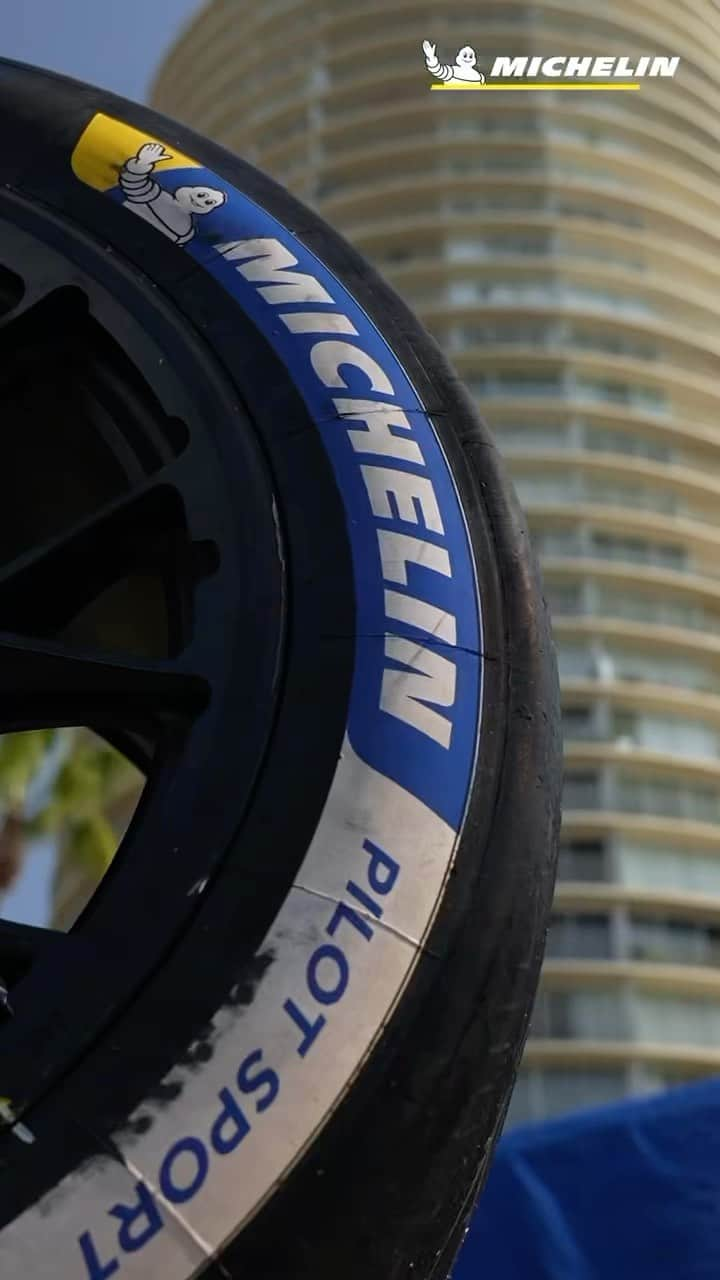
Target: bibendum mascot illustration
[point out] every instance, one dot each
(463, 72)
(173, 213)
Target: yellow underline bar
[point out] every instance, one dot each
(529, 84)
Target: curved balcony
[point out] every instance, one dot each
(346, 143)
(652, 167)
(406, 121)
(651, 255)
(646, 420)
(633, 637)
(344, 206)
(629, 204)
(571, 897)
(632, 575)
(687, 387)
(644, 697)
(577, 1053)
(589, 823)
(661, 478)
(647, 307)
(696, 536)
(565, 975)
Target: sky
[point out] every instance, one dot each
(114, 45)
(117, 46)
(29, 900)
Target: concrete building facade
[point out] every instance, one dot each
(563, 249)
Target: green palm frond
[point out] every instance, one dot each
(21, 755)
(91, 783)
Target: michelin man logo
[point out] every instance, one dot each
(173, 213)
(463, 72)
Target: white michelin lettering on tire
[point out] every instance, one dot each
(438, 623)
(317, 322)
(431, 679)
(398, 550)
(375, 436)
(413, 497)
(268, 268)
(344, 943)
(328, 358)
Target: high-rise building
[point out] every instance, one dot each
(563, 247)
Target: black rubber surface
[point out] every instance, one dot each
(388, 1185)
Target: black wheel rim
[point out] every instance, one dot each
(141, 594)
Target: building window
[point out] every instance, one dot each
(670, 734)
(565, 1091)
(610, 546)
(480, 203)
(614, 344)
(542, 292)
(595, 212)
(652, 1079)
(638, 397)
(606, 440)
(674, 941)
(579, 723)
(564, 597)
(522, 1109)
(618, 493)
(649, 867)
(614, 440)
(583, 860)
(515, 383)
(636, 606)
(397, 254)
(666, 797)
(611, 663)
(581, 790)
(579, 937)
(570, 486)
(665, 1019)
(577, 247)
(501, 333)
(547, 488)
(558, 542)
(540, 1094)
(531, 436)
(645, 667)
(598, 545)
(590, 1014)
(576, 663)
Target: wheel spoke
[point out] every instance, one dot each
(39, 318)
(42, 683)
(41, 590)
(139, 747)
(20, 944)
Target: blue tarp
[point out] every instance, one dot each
(626, 1192)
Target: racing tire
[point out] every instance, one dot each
(281, 1038)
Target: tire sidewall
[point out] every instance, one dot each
(378, 1174)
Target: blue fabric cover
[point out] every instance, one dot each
(625, 1192)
